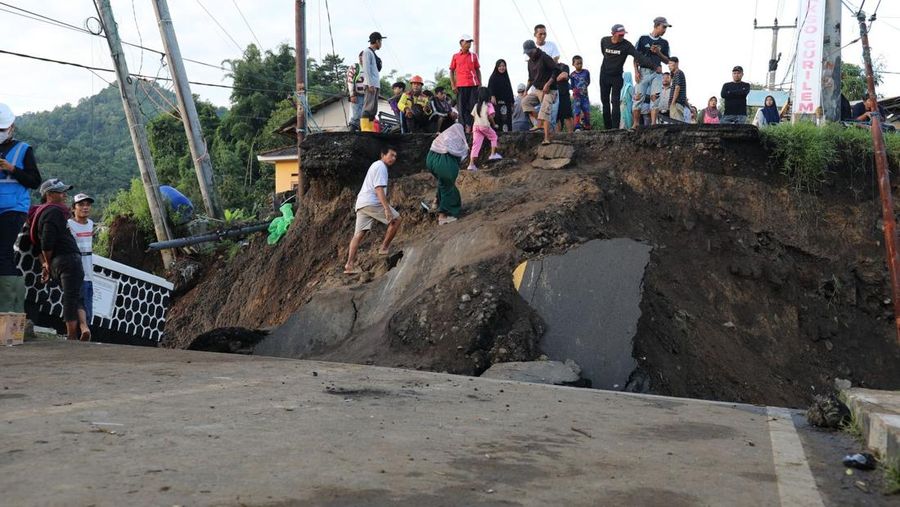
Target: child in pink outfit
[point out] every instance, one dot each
(483, 115)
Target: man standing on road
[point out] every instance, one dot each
(542, 74)
(616, 50)
(734, 94)
(371, 70)
(678, 107)
(18, 173)
(82, 228)
(655, 51)
(465, 78)
(371, 205)
(60, 257)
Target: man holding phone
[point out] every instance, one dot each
(654, 50)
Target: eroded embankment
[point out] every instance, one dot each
(753, 292)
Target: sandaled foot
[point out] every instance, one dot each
(352, 271)
(447, 220)
(85, 336)
(545, 142)
(495, 156)
(472, 168)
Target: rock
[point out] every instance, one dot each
(465, 298)
(556, 150)
(842, 384)
(828, 412)
(539, 372)
(551, 164)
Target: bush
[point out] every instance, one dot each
(131, 203)
(805, 152)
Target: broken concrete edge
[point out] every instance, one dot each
(878, 415)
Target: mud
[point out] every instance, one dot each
(754, 292)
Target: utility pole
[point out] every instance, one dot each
(884, 183)
(831, 67)
(476, 29)
(136, 129)
(300, 95)
(189, 118)
(776, 56)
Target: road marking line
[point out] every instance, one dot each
(89, 404)
(796, 485)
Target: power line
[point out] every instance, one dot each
(137, 27)
(566, 15)
(555, 36)
(238, 46)
(524, 23)
(61, 24)
(247, 24)
(286, 89)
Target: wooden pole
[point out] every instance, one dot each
(476, 29)
(188, 110)
(136, 129)
(884, 182)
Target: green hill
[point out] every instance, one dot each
(88, 145)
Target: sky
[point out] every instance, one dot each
(709, 37)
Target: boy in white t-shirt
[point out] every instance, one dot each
(372, 205)
(82, 228)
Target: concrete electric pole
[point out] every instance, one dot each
(300, 95)
(776, 56)
(188, 110)
(831, 67)
(136, 129)
(476, 28)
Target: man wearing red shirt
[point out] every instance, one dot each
(465, 78)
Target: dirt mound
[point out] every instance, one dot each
(753, 292)
(128, 245)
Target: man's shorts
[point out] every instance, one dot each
(680, 113)
(537, 99)
(651, 84)
(367, 216)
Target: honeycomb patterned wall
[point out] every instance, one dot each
(140, 299)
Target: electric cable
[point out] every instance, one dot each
(241, 13)
(238, 46)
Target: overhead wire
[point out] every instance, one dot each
(337, 71)
(216, 21)
(524, 23)
(247, 24)
(550, 26)
(137, 27)
(569, 23)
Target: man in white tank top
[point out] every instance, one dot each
(82, 228)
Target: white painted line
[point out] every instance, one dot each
(796, 485)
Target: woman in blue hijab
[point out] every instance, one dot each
(768, 114)
(627, 100)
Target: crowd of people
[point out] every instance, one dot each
(58, 231)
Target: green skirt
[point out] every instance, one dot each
(445, 168)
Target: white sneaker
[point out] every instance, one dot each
(495, 156)
(445, 221)
(472, 168)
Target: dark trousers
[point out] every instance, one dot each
(10, 225)
(468, 95)
(610, 90)
(504, 116)
(67, 270)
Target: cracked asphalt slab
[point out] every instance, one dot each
(111, 425)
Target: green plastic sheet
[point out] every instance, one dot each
(278, 228)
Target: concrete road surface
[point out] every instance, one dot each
(88, 424)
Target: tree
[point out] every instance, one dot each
(853, 80)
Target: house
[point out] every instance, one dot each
(330, 115)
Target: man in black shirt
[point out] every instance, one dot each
(863, 110)
(655, 51)
(60, 257)
(678, 103)
(616, 49)
(542, 73)
(734, 94)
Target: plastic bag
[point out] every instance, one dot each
(278, 228)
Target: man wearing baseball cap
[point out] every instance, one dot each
(734, 94)
(18, 174)
(59, 255)
(465, 78)
(616, 49)
(82, 228)
(655, 50)
(371, 72)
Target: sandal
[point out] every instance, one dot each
(545, 142)
(354, 271)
